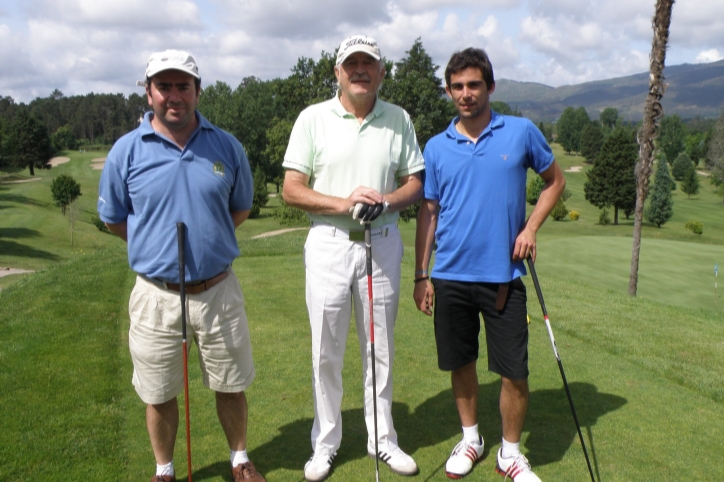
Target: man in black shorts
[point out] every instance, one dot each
(474, 208)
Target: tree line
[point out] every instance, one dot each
(261, 114)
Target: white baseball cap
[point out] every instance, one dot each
(171, 60)
(358, 43)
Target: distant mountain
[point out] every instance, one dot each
(694, 90)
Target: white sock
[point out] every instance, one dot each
(471, 434)
(510, 449)
(165, 469)
(238, 458)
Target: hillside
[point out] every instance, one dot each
(694, 90)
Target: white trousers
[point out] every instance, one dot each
(336, 280)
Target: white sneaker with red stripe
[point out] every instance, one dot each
(517, 468)
(463, 457)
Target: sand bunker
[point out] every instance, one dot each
(9, 271)
(574, 169)
(98, 163)
(58, 160)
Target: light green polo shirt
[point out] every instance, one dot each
(339, 154)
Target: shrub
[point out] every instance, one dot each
(604, 218)
(532, 192)
(290, 216)
(560, 211)
(98, 223)
(696, 227)
(261, 194)
(574, 215)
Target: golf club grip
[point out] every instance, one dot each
(531, 268)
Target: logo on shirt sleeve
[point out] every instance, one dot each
(219, 168)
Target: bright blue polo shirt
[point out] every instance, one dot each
(480, 187)
(150, 183)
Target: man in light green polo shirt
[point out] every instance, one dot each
(353, 158)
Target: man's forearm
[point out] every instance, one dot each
(425, 235)
(409, 192)
(119, 229)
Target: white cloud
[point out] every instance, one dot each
(133, 15)
(301, 20)
(711, 55)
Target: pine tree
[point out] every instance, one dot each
(690, 183)
(681, 166)
(611, 180)
(661, 204)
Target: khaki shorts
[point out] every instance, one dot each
(216, 322)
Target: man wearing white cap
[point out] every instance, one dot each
(177, 167)
(350, 160)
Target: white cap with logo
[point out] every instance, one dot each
(170, 60)
(358, 43)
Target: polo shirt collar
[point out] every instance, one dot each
(147, 129)
(496, 121)
(339, 109)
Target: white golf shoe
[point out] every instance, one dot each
(463, 457)
(392, 455)
(516, 468)
(317, 467)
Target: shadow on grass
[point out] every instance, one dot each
(22, 200)
(11, 248)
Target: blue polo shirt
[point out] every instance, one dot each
(480, 187)
(150, 183)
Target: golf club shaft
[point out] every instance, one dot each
(536, 284)
(181, 235)
(368, 249)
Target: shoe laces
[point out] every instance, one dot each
(519, 462)
(327, 457)
(463, 447)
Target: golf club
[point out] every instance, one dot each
(181, 235)
(368, 244)
(531, 266)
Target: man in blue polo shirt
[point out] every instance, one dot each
(177, 167)
(474, 208)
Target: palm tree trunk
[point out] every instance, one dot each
(653, 112)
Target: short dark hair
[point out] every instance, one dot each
(470, 57)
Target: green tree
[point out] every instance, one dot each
(28, 144)
(261, 194)
(64, 139)
(215, 103)
(672, 136)
(681, 166)
(715, 156)
(415, 87)
(65, 190)
(546, 130)
(690, 182)
(570, 126)
(591, 142)
(661, 203)
(277, 135)
(611, 180)
(504, 108)
(609, 118)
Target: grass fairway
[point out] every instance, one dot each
(646, 373)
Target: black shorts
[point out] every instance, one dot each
(458, 306)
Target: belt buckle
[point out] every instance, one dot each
(355, 235)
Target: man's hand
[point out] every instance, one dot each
(366, 213)
(524, 245)
(424, 295)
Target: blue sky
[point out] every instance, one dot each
(82, 46)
